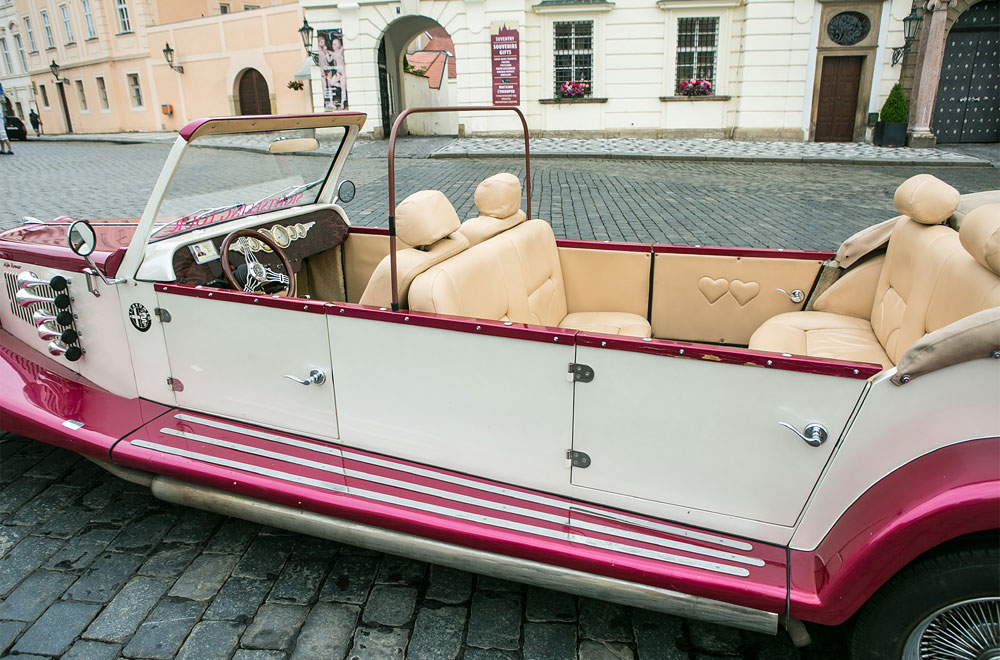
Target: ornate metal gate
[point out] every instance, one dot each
(967, 108)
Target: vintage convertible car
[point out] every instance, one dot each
(745, 436)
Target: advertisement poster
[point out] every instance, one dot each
(330, 45)
(505, 49)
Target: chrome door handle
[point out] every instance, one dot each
(813, 434)
(316, 377)
(796, 295)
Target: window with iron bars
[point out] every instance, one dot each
(697, 48)
(574, 54)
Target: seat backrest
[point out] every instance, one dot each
(918, 249)
(427, 221)
(498, 199)
(515, 275)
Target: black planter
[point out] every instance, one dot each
(890, 133)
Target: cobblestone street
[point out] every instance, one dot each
(93, 567)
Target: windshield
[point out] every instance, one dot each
(246, 174)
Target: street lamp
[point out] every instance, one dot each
(54, 68)
(306, 32)
(168, 54)
(910, 25)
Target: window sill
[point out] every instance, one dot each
(91, 39)
(32, 52)
(50, 48)
(122, 34)
(69, 43)
(710, 97)
(585, 99)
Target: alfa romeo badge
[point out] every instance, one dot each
(139, 316)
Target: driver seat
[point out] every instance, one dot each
(427, 221)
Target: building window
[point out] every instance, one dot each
(123, 24)
(31, 35)
(574, 54)
(20, 53)
(102, 93)
(88, 19)
(135, 90)
(223, 7)
(45, 96)
(19, 109)
(67, 28)
(83, 96)
(250, 7)
(49, 42)
(697, 46)
(6, 57)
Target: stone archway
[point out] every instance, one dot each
(253, 94)
(396, 91)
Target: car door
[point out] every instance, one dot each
(250, 358)
(701, 427)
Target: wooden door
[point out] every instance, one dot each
(254, 98)
(838, 99)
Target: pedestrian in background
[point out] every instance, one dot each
(36, 122)
(4, 140)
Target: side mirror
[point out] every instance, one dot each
(82, 238)
(346, 191)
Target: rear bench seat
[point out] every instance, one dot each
(514, 275)
(932, 276)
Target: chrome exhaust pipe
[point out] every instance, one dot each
(25, 298)
(28, 280)
(41, 316)
(47, 332)
(71, 353)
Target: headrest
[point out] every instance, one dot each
(926, 199)
(479, 229)
(980, 236)
(499, 196)
(425, 217)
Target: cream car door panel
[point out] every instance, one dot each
(723, 299)
(232, 359)
(706, 435)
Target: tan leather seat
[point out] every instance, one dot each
(427, 221)
(932, 276)
(515, 276)
(498, 199)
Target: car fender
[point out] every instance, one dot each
(940, 496)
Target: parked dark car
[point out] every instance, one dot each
(15, 128)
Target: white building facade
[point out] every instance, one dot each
(15, 44)
(779, 69)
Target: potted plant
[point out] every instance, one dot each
(695, 87)
(890, 129)
(572, 90)
(295, 85)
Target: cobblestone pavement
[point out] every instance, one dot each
(92, 567)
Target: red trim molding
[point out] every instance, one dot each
(381, 231)
(731, 355)
(764, 253)
(603, 245)
(940, 496)
(293, 304)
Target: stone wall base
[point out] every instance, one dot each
(921, 140)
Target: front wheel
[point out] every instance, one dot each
(945, 606)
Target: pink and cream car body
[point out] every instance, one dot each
(745, 436)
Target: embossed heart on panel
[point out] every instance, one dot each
(744, 292)
(713, 289)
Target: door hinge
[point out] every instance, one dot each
(162, 314)
(577, 458)
(175, 384)
(581, 373)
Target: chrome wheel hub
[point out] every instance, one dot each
(969, 630)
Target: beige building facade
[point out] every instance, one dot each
(113, 75)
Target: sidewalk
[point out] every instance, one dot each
(690, 149)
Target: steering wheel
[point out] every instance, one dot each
(259, 277)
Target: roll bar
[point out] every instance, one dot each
(392, 173)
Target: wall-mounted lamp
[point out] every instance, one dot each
(306, 32)
(910, 26)
(168, 55)
(54, 68)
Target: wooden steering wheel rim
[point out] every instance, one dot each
(227, 269)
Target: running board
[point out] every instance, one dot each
(463, 558)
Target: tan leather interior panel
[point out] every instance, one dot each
(723, 299)
(605, 280)
(362, 253)
(854, 293)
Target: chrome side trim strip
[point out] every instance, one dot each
(449, 512)
(471, 483)
(511, 568)
(472, 501)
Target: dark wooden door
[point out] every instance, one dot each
(838, 99)
(254, 98)
(383, 90)
(967, 108)
(65, 107)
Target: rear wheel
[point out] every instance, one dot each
(943, 607)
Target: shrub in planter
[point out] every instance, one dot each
(890, 130)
